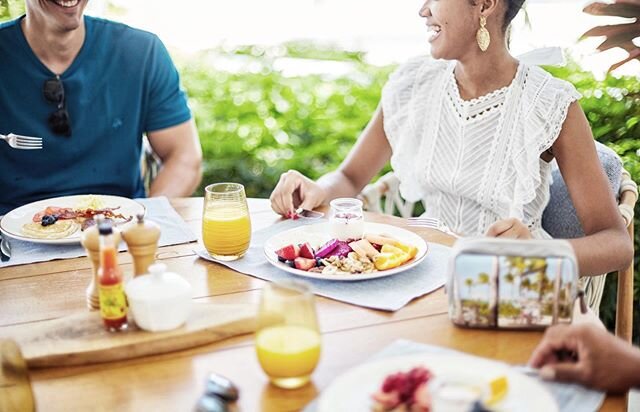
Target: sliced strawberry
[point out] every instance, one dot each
(304, 263)
(292, 215)
(306, 251)
(289, 252)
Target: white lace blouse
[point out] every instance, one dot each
(474, 162)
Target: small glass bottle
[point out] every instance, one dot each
(113, 302)
(346, 220)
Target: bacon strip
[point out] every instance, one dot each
(88, 214)
(61, 212)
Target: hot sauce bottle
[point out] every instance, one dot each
(113, 302)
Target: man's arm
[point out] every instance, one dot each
(179, 148)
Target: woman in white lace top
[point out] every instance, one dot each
(470, 131)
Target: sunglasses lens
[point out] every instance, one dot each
(53, 91)
(59, 122)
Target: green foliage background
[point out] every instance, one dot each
(257, 122)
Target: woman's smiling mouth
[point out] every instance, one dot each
(434, 31)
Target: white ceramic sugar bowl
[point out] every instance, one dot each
(160, 300)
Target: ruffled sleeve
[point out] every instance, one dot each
(545, 105)
(550, 112)
(406, 94)
(397, 94)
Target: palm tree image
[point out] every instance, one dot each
(469, 283)
(532, 302)
(475, 307)
(511, 279)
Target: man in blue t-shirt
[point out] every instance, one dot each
(90, 88)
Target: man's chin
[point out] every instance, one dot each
(67, 14)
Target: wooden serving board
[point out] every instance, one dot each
(15, 388)
(81, 339)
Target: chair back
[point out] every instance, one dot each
(624, 304)
(559, 218)
(150, 164)
(383, 196)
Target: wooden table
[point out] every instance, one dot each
(40, 291)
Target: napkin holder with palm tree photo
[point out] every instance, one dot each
(513, 284)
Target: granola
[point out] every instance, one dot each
(352, 263)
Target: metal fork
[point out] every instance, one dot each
(431, 223)
(22, 142)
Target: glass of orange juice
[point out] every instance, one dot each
(226, 227)
(287, 339)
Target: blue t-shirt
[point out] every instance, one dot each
(121, 85)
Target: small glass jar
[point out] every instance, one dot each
(346, 221)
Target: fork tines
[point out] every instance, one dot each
(27, 142)
(27, 139)
(423, 221)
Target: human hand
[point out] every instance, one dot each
(510, 229)
(293, 191)
(599, 360)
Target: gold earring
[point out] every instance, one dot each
(482, 36)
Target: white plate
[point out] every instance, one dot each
(11, 223)
(318, 234)
(352, 391)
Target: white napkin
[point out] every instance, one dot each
(174, 231)
(545, 56)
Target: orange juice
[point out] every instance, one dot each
(288, 353)
(226, 230)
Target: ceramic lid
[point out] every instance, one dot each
(158, 285)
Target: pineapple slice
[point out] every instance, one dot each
(412, 251)
(391, 257)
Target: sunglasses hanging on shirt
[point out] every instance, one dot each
(59, 121)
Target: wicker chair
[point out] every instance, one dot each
(150, 164)
(383, 196)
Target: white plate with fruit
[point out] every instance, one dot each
(310, 251)
(61, 220)
(437, 382)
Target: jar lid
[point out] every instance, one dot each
(346, 203)
(158, 285)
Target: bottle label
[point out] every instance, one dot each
(113, 302)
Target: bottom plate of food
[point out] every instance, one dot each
(310, 251)
(61, 220)
(435, 382)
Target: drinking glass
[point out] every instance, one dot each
(287, 339)
(226, 227)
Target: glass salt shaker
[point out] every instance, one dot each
(346, 219)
